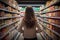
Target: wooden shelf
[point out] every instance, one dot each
(51, 30)
(56, 10)
(50, 5)
(13, 28)
(8, 5)
(8, 24)
(56, 18)
(45, 31)
(8, 11)
(1, 18)
(51, 24)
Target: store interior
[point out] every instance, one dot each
(46, 11)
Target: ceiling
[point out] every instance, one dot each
(31, 1)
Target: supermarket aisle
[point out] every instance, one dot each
(48, 15)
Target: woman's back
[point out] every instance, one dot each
(29, 32)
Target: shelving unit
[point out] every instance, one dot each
(49, 19)
(8, 11)
(9, 19)
(56, 10)
(6, 2)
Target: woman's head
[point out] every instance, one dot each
(29, 18)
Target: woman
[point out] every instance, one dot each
(30, 24)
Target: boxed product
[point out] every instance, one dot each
(14, 19)
(3, 31)
(2, 22)
(9, 8)
(2, 14)
(1, 5)
(8, 21)
(8, 15)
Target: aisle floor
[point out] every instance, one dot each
(38, 37)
